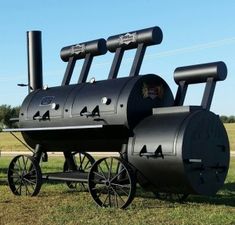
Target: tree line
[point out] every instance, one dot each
(227, 119)
(7, 112)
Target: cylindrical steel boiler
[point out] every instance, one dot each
(95, 115)
(183, 149)
(111, 107)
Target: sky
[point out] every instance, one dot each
(194, 32)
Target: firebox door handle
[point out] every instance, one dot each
(37, 116)
(157, 154)
(85, 112)
(45, 116)
(95, 112)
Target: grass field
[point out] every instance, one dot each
(57, 205)
(230, 127)
(9, 143)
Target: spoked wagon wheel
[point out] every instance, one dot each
(171, 196)
(24, 176)
(112, 183)
(84, 162)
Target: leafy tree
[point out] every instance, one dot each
(231, 119)
(227, 119)
(224, 119)
(6, 113)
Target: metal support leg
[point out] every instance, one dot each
(70, 161)
(123, 153)
(38, 153)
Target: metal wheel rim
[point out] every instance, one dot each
(111, 183)
(24, 176)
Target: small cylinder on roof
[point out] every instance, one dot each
(199, 73)
(79, 51)
(130, 40)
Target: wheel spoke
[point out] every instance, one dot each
(24, 164)
(121, 185)
(80, 162)
(31, 181)
(27, 192)
(116, 198)
(19, 164)
(31, 172)
(87, 163)
(100, 188)
(83, 158)
(117, 195)
(123, 191)
(18, 180)
(19, 189)
(117, 175)
(110, 200)
(101, 170)
(110, 168)
(15, 172)
(99, 175)
(16, 167)
(32, 187)
(105, 200)
(106, 163)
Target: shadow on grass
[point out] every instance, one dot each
(230, 187)
(225, 197)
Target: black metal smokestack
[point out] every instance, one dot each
(34, 47)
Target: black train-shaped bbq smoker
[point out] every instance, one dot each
(168, 148)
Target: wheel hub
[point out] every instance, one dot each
(107, 183)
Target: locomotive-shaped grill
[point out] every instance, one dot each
(169, 148)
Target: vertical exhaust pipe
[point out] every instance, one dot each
(34, 50)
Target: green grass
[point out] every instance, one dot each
(56, 205)
(10, 143)
(230, 127)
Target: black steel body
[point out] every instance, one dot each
(165, 146)
(115, 104)
(187, 148)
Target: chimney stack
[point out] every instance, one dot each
(34, 49)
